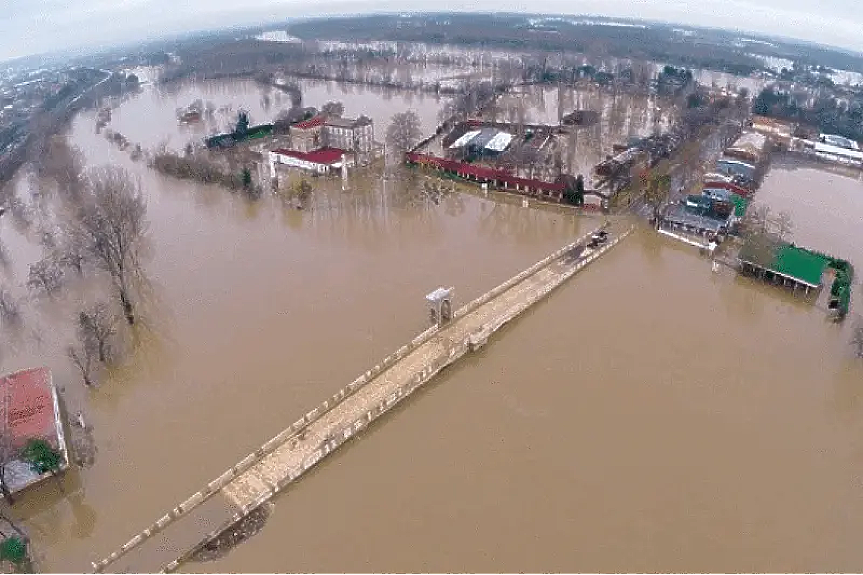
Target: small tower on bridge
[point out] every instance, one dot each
(440, 306)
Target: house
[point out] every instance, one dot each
(840, 155)
(839, 142)
(354, 135)
(780, 130)
(320, 161)
(735, 167)
(29, 409)
(307, 136)
(748, 147)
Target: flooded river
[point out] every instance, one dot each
(649, 416)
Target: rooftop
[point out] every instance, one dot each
(348, 122)
(783, 258)
(319, 156)
(677, 213)
(312, 123)
(29, 409)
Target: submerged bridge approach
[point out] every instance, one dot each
(176, 536)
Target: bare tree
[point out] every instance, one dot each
(403, 133)
(45, 275)
(71, 253)
(336, 109)
(83, 358)
(111, 226)
(656, 191)
(97, 326)
(65, 164)
(784, 225)
(857, 339)
(10, 312)
(756, 220)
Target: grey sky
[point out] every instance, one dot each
(35, 26)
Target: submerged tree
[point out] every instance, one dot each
(784, 225)
(110, 226)
(246, 176)
(656, 192)
(10, 312)
(336, 109)
(857, 339)
(404, 132)
(45, 275)
(82, 357)
(97, 326)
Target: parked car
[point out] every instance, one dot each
(598, 238)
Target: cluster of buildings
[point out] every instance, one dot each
(326, 144)
(703, 219)
(829, 147)
(495, 155)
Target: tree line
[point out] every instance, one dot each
(830, 114)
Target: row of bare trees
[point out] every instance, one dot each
(103, 230)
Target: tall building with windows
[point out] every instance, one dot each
(355, 135)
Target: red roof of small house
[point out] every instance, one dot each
(319, 156)
(311, 123)
(734, 188)
(27, 406)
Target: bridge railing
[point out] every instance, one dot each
(281, 438)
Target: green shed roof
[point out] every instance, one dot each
(800, 263)
(786, 259)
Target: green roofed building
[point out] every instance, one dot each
(770, 258)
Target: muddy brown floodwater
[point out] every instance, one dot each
(649, 416)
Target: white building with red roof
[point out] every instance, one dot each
(321, 161)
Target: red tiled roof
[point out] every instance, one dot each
(27, 395)
(743, 192)
(312, 123)
(320, 156)
(483, 172)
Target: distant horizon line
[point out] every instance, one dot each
(265, 26)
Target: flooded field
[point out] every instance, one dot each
(150, 118)
(622, 115)
(649, 416)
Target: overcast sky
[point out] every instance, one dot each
(36, 26)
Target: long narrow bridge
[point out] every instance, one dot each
(167, 543)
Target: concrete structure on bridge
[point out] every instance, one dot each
(170, 541)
